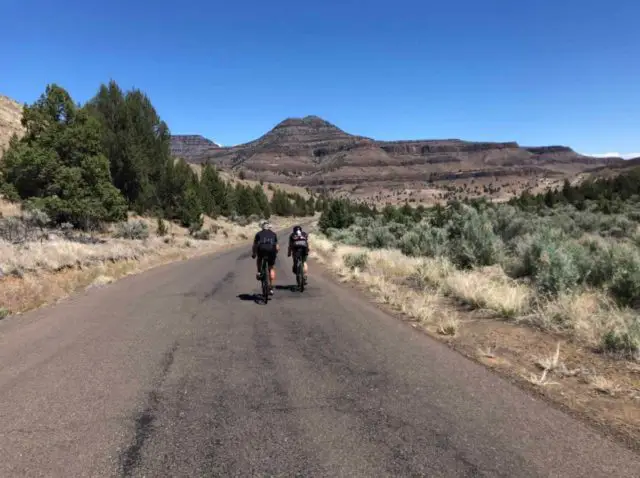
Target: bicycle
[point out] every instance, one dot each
(300, 272)
(264, 278)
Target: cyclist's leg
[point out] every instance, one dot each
(259, 264)
(305, 267)
(271, 262)
(294, 255)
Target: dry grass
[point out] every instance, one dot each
(550, 363)
(587, 315)
(489, 288)
(605, 386)
(449, 326)
(383, 275)
(542, 380)
(9, 208)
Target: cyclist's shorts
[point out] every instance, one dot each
(301, 252)
(270, 254)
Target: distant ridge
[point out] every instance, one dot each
(315, 153)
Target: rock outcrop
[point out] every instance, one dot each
(10, 121)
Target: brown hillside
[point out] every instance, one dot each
(10, 116)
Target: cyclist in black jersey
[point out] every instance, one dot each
(299, 248)
(265, 244)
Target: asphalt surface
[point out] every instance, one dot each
(179, 372)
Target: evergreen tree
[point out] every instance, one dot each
(247, 204)
(299, 205)
(337, 215)
(311, 206)
(228, 200)
(210, 186)
(136, 142)
(280, 204)
(406, 211)
(262, 200)
(190, 210)
(59, 164)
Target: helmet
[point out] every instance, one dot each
(297, 229)
(265, 225)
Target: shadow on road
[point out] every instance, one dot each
(251, 297)
(291, 288)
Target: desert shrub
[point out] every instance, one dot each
(29, 226)
(358, 260)
(625, 280)
(241, 221)
(625, 342)
(364, 221)
(550, 264)
(634, 215)
(380, 238)
(161, 228)
(595, 261)
(12, 229)
(132, 230)
(36, 218)
(196, 225)
(617, 226)
(66, 228)
(587, 221)
(410, 244)
(203, 235)
(345, 236)
(472, 241)
(396, 229)
(565, 223)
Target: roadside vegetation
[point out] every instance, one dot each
(567, 261)
(94, 185)
(544, 289)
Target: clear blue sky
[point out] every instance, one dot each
(538, 72)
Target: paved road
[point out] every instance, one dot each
(177, 372)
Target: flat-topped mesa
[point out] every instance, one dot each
(442, 146)
(548, 149)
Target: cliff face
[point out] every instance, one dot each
(10, 121)
(191, 145)
(313, 152)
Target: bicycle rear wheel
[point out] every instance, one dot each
(300, 274)
(265, 280)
